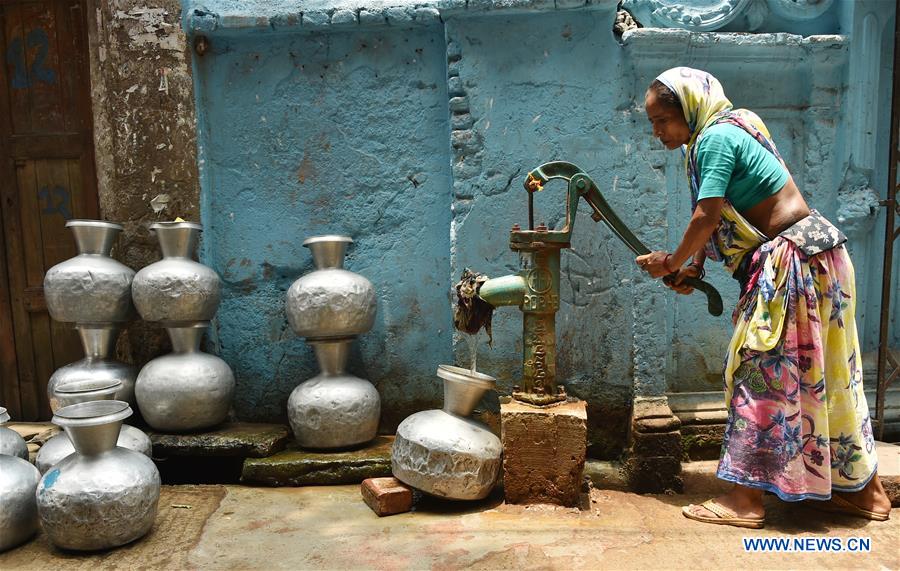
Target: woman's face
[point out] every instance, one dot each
(668, 122)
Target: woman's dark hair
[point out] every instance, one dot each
(665, 95)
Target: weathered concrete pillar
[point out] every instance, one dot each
(543, 452)
(653, 461)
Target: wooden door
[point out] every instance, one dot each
(47, 177)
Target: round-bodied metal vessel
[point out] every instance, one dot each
(443, 453)
(330, 302)
(91, 287)
(59, 447)
(334, 409)
(187, 389)
(98, 342)
(18, 515)
(176, 288)
(102, 496)
(11, 442)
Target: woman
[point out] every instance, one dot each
(798, 423)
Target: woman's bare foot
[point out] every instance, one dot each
(872, 497)
(743, 501)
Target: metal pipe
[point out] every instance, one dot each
(889, 236)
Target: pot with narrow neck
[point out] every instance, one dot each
(176, 288)
(99, 341)
(334, 409)
(11, 442)
(330, 302)
(91, 287)
(444, 453)
(187, 389)
(18, 514)
(60, 446)
(101, 496)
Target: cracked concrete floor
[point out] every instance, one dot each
(234, 527)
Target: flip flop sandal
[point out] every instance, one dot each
(839, 505)
(723, 516)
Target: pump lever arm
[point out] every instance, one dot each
(601, 211)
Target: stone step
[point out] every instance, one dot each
(232, 439)
(297, 467)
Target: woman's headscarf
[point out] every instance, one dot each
(704, 104)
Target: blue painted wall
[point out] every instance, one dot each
(410, 128)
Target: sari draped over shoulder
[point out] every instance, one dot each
(798, 422)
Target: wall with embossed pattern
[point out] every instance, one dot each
(411, 126)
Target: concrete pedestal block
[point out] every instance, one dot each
(543, 452)
(654, 455)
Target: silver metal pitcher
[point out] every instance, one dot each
(330, 302)
(330, 307)
(187, 389)
(91, 287)
(334, 409)
(102, 496)
(18, 515)
(60, 446)
(176, 288)
(11, 442)
(443, 453)
(98, 341)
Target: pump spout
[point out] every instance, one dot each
(503, 291)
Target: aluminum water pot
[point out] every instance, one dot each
(187, 389)
(443, 453)
(18, 515)
(330, 302)
(102, 496)
(91, 287)
(176, 288)
(11, 442)
(59, 447)
(98, 341)
(334, 409)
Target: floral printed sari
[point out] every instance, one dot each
(798, 423)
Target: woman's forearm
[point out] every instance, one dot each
(703, 223)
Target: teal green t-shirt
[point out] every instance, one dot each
(735, 165)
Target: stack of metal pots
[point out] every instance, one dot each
(60, 446)
(102, 495)
(93, 291)
(186, 390)
(330, 307)
(444, 453)
(18, 480)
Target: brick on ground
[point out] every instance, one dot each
(387, 496)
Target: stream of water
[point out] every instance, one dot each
(472, 342)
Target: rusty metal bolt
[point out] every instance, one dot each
(542, 227)
(516, 228)
(516, 388)
(539, 390)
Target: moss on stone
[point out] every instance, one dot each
(298, 467)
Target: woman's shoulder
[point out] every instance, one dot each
(721, 135)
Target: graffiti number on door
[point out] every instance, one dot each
(24, 75)
(56, 201)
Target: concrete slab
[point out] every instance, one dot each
(298, 467)
(316, 527)
(240, 439)
(332, 528)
